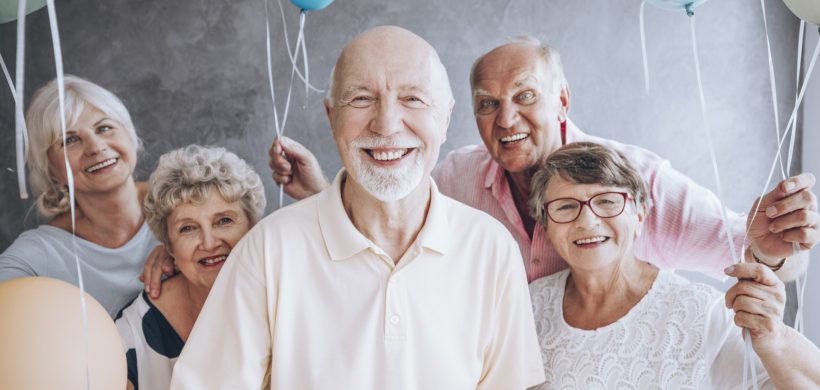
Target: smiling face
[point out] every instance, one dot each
(518, 106)
(389, 110)
(201, 235)
(591, 242)
(101, 152)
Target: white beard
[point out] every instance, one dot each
(387, 184)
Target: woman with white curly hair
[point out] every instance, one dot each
(200, 202)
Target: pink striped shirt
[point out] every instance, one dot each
(683, 228)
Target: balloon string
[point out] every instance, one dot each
(292, 59)
(747, 360)
(302, 19)
(789, 128)
(800, 283)
(709, 141)
(801, 292)
(293, 69)
(772, 83)
(20, 134)
(796, 86)
(643, 49)
(270, 69)
(270, 83)
(21, 138)
(58, 65)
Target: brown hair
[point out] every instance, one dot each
(584, 163)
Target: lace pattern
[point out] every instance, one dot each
(658, 344)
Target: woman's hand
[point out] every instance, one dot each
(758, 300)
(158, 263)
(296, 168)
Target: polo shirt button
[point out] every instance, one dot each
(536, 260)
(394, 320)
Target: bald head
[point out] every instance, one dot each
(521, 50)
(390, 48)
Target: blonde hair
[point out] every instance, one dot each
(43, 121)
(189, 174)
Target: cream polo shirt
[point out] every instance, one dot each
(305, 301)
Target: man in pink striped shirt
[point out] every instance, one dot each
(521, 105)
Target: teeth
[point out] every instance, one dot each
(101, 165)
(590, 240)
(389, 156)
(514, 137)
(214, 260)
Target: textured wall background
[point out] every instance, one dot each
(811, 163)
(194, 72)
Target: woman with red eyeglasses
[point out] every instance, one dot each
(613, 320)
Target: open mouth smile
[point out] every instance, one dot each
(388, 154)
(510, 139)
(214, 260)
(591, 241)
(100, 165)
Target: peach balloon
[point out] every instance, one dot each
(41, 339)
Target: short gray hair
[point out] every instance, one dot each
(43, 121)
(548, 53)
(584, 163)
(189, 174)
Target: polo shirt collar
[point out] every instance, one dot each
(343, 240)
(341, 237)
(435, 233)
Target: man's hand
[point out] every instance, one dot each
(296, 168)
(158, 263)
(787, 214)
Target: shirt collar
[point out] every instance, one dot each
(343, 240)
(435, 233)
(341, 237)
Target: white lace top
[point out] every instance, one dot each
(679, 336)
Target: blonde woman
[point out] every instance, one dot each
(112, 239)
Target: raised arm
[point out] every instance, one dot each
(758, 299)
(295, 167)
(685, 228)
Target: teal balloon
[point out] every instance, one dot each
(311, 5)
(674, 5)
(8, 9)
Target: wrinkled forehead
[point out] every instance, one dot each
(511, 69)
(373, 67)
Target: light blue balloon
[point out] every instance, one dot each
(674, 5)
(311, 5)
(8, 9)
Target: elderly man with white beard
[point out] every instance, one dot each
(380, 281)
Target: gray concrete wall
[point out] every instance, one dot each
(194, 72)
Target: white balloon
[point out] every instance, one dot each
(808, 10)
